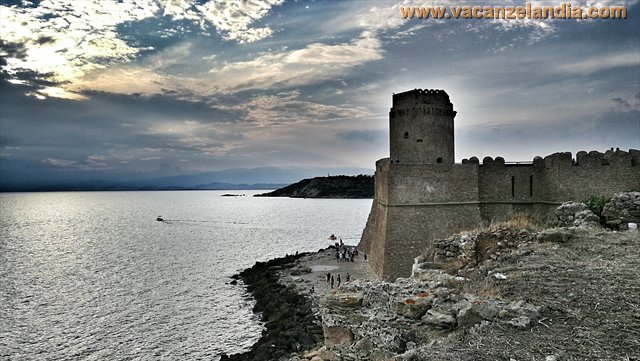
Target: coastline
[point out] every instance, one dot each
(290, 324)
(504, 293)
(291, 313)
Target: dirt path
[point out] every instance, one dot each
(311, 271)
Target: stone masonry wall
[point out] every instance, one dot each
(420, 202)
(591, 174)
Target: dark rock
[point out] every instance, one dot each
(289, 320)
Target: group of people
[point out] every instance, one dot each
(331, 280)
(345, 253)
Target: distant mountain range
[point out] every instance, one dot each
(361, 186)
(230, 179)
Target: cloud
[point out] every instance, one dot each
(603, 62)
(76, 36)
(386, 18)
(232, 18)
(67, 41)
(522, 141)
(312, 64)
(287, 108)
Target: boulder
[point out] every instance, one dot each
(567, 211)
(377, 299)
(471, 313)
(439, 318)
(414, 308)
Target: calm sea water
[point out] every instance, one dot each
(93, 275)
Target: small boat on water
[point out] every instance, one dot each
(160, 219)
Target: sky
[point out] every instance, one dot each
(116, 89)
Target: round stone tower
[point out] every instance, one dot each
(421, 127)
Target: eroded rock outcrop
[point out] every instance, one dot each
(622, 209)
(367, 320)
(495, 292)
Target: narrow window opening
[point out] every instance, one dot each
(439, 160)
(513, 186)
(419, 140)
(531, 185)
(406, 135)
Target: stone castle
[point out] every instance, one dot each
(421, 194)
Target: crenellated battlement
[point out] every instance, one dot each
(583, 159)
(417, 98)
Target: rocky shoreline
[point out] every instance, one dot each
(290, 323)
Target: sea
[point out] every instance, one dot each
(94, 275)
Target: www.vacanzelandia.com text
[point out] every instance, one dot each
(528, 11)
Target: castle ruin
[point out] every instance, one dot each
(421, 194)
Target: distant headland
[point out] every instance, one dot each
(341, 186)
